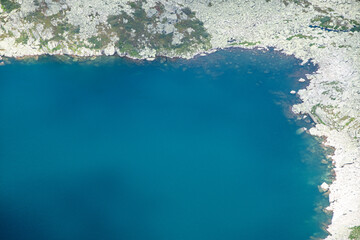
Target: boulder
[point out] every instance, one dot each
(324, 187)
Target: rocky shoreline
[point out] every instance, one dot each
(332, 98)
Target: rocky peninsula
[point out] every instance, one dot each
(325, 32)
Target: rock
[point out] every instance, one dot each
(151, 12)
(168, 28)
(109, 51)
(177, 39)
(52, 44)
(300, 130)
(324, 187)
(293, 92)
(301, 80)
(324, 161)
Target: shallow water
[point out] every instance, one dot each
(168, 150)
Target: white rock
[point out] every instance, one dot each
(109, 51)
(324, 186)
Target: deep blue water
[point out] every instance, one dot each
(328, 29)
(355, 28)
(168, 150)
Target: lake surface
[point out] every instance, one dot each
(168, 150)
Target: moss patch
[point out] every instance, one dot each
(303, 3)
(138, 31)
(355, 233)
(62, 30)
(9, 5)
(313, 112)
(99, 42)
(301, 36)
(23, 39)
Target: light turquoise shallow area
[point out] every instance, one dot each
(168, 150)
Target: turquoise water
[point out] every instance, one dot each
(168, 150)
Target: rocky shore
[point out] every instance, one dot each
(324, 32)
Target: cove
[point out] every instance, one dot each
(202, 149)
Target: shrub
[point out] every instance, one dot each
(9, 5)
(355, 233)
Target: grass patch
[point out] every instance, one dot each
(313, 112)
(95, 41)
(347, 124)
(58, 47)
(39, 17)
(301, 36)
(23, 39)
(355, 233)
(100, 41)
(246, 43)
(63, 27)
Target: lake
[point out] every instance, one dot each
(201, 149)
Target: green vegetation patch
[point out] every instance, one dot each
(245, 43)
(347, 124)
(336, 23)
(303, 3)
(58, 47)
(63, 27)
(137, 31)
(39, 17)
(131, 30)
(355, 233)
(355, 28)
(9, 5)
(194, 34)
(23, 39)
(188, 12)
(301, 36)
(96, 42)
(62, 30)
(100, 41)
(324, 11)
(313, 112)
